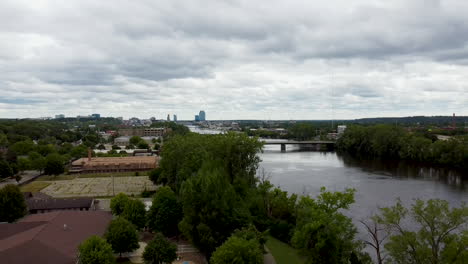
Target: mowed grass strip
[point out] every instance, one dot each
(282, 252)
(115, 174)
(61, 177)
(34, 186)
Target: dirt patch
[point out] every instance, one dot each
(99, 187)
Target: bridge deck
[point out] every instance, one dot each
(297, 142)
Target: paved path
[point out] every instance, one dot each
(137, 255)
(25, 177)
(186, 248)
(268, 257)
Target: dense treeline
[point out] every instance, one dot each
(45, 146)
(391, 142)
(226, 209)
(215, 180)
(176, 129)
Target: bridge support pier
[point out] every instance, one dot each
(283, 147)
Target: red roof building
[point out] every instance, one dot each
(50, 237)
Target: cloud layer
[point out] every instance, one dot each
(234, 59)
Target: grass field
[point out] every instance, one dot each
(34, 186)
(282, 252)
(62, 177)
(115, 174)
(99, 186)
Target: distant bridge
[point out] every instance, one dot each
(283, 143)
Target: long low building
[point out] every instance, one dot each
(144, 131)
(41, 203)
(114, 164)
(50, 237)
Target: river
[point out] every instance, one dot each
(377, 183)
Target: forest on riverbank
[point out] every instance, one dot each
(225, 203)
(392, 142)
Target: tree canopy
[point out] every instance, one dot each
(54, 164)
(183, 156)
(12, 204)
(5, 169)
(134, 211)
(238, 250)
(212, 208)
(160, 250)
(323, 233)
(122, 236)
(386, 141)
(441, 235)
(95, 250)
(165, 212)
(118, 202)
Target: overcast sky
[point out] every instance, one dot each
(234, 59)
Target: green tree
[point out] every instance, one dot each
(302, 131)
(134, 211)
(142, 145)
(12, 204)
(160, 250)
(54, 164)
(212, 208)
(135, 140)
(157, 146)
(122, 236)
(183, 156)
(130, 146)
(46, 150)
(118, 203)
(238, 250)
(442, 236)
(23, 164)
(165, 212)
(65, 148)
(3, 140)
(23, 147)
(5, 169)
(101, 147)
(155, 174)
(95, 250)
(79, 151)
(38, 162)
(323, 233)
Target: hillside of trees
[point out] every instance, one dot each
(391, 142)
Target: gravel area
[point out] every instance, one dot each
(99, 187)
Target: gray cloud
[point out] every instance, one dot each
(235, 59)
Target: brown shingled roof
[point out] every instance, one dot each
(58, 203)
(50, 237)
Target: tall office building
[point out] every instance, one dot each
(197, 118)
(175, 118)
(168, 117)
(202, 115)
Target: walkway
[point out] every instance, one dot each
(268, 257)
(26, 177)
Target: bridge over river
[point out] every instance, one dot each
(328, 143)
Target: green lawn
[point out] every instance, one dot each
(34, 186)
(115, 174)
(61, 177)
(282, 252)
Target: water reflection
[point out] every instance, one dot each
(404, 169)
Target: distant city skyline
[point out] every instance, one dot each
(176, 118)
(291, 60)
